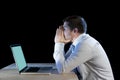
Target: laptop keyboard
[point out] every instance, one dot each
(45, 68)
(33, 69)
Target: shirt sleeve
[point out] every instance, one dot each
(58, 56)
(81, 54)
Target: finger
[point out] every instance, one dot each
(59, 32)
(56, 30)
(63, 34)
(61, 27)
(66, 41)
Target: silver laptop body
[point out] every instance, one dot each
(21, 64)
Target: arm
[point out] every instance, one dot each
(81, 54)
(59, 56)
(59, 48)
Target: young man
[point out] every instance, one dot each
(86, 57)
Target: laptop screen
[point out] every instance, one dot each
(18, 56)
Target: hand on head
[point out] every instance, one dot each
(59, 37)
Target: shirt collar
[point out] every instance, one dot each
(78, 39)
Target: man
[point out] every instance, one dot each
(86, 55)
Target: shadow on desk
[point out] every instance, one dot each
(11, 73)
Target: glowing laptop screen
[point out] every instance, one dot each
(18, 56)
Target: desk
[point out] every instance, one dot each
(10, 72)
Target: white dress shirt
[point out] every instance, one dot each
(88, 56)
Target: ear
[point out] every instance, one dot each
(75, 30)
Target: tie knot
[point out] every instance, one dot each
(72, 46)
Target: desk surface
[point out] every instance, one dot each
(10, 72)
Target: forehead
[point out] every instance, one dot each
(65, 25)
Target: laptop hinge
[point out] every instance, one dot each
(23, 69)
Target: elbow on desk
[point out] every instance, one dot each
(63, 70)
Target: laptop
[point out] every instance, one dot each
(21, 64)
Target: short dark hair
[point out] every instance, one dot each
(76, 22)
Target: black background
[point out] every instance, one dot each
(34, 26)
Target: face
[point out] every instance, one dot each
(67, 31)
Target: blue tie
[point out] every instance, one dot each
(69, 52)
(77, 73)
